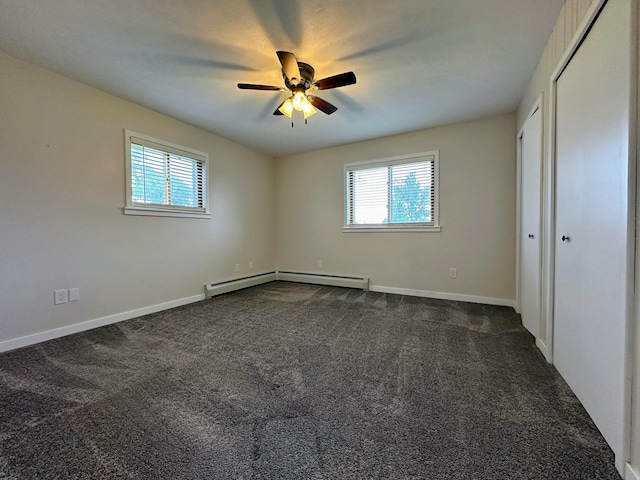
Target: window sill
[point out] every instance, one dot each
(390, 228)
(163, 213)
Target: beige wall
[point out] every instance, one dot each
(61, 196)
(477, 213)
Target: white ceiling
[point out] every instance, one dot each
(418, 63)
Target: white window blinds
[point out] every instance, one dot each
(392, 192)
(166, 178)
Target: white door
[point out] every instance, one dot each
(593, 223)
(531, 181)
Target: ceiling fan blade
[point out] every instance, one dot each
(251, 86)
(348, 78)
(322, 105)
(289, 65)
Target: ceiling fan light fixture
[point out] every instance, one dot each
(299, 100)
(308, 110)
(302, 104)
(287, 107)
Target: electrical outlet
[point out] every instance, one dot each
(74, 294)
(250, 265)
(237, 267)
(60, 296)
(319, 263)
(453, 273)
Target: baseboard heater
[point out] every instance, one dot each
(322, 279)
(213, 289)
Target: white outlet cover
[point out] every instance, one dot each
(60, 296)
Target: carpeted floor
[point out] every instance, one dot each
(289, 381)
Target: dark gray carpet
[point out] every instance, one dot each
(297, 382)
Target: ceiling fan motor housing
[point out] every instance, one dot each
(307, 73)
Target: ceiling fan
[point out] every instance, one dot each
(299, 77)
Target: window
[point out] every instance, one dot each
(165, 179)
(395, 194)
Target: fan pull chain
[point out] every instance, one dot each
(306, 122)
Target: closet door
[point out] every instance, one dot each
(530, 255)
(593, 222)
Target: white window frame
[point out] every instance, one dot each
(136, 208)
(433, 226)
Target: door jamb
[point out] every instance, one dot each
(538, 105)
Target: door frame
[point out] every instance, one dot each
(549, 218)
(549, 175)
(632, 404)
(538, 105)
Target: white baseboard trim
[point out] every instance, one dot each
(631, 473)
(39, 337)
(504, 302)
